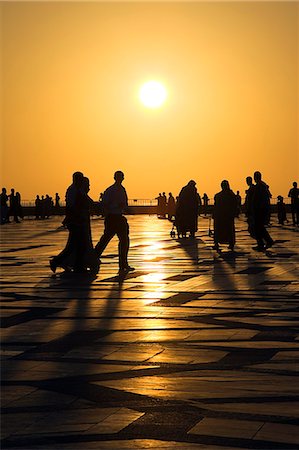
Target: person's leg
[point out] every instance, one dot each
(124, 242)
(109, 232)
(258, 231)
(293, 211)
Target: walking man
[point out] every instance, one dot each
(115, 203)
(261, 213)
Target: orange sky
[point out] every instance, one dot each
(70, 79)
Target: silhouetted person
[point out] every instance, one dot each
(171, 206)
(163, 205)
(261, 213)
(43, 207)
(239, 203)
(73, 222)
(13, 207)
(159, 205)
(205, 200)
(248, 206)
(82, 248)
(186, 217)
(294, 195)
(281, 210)
(57, 203)
(4, 206)
(38, 209)
(48, 206)
(115, 203)
(100, 205)
(224, 213)
(19, 205)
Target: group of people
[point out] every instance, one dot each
(167, 206)
(79, 255)
(228, 206)
(45, 206)
(10, 206)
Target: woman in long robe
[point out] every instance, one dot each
(187, 210)
(225, 210)
(78, 255)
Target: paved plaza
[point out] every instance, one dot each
(193, 350)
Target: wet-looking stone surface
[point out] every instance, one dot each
(193, 350)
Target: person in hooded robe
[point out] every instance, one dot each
(186, 217)
(225, 211)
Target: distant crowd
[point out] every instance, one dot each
(45, 206)
(11, 209)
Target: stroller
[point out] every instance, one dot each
(181, 230)
(183, 234)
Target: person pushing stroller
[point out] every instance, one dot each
(187, 210)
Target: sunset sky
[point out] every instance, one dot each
(71, 73)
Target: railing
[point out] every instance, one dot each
(151, 202)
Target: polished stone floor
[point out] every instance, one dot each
(193, 350)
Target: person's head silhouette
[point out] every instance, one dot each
(119, 176)
(295, 184)
(225, 185)
(257, 176)
(85, 185)
(78, 178)
(249, 181)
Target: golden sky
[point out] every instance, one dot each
(71, 72)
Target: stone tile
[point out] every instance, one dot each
(116, 421)
(277, 432)
(243, 429)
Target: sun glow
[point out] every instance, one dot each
(152, 94)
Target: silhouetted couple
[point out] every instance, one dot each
(258, 212)
(79, 255)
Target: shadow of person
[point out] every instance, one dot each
(190, 247)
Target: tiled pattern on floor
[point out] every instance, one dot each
(193, 350)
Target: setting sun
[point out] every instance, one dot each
(152, 94)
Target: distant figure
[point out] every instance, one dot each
(205, 200)
(239, 203)
(43, 207)
(48, 206)
(19, 205)
(261, 213)
(248, 208)
(224, 213)
(100, 205)
(281, 210)
(170, 206)
(186, 217)
(57, 203)
(159, 205)
(294, 195)
(13, 207)
(163, 205)
(4, 207)
(115, 203)
(73, 221)
(37, 208)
